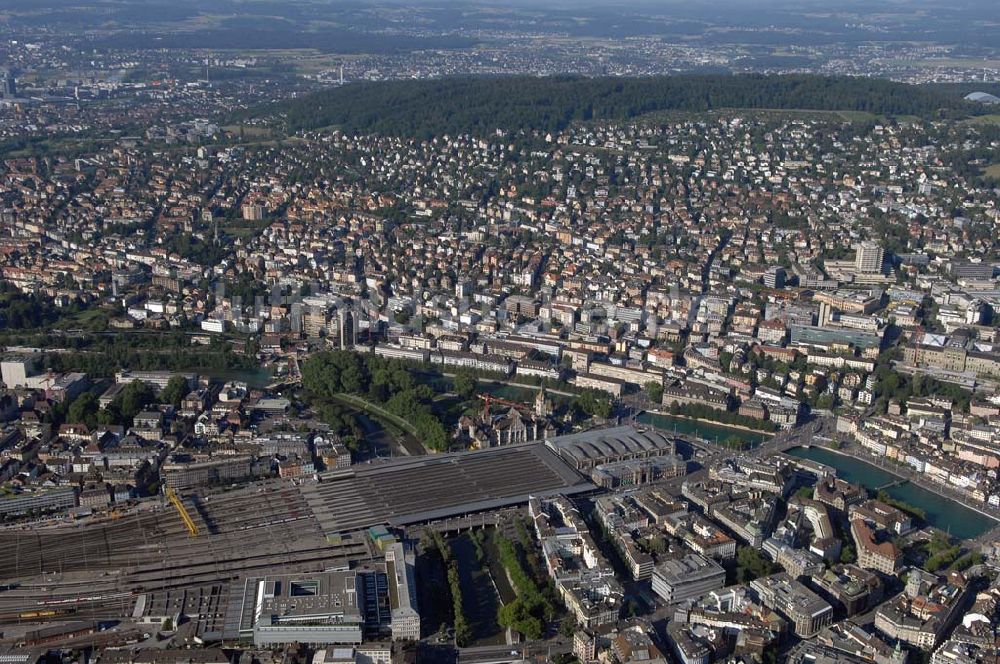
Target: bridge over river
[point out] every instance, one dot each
(945, 508)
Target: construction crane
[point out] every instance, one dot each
(490, 400)
(185, 517)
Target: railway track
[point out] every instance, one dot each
(96, 571)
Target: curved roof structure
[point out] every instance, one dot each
(983, 97)
(609, 445)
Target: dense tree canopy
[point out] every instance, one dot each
(381, 380)
(83, 410)
(480, 105)
(19, 311)
(528, 613)
(102, 356)
(134, 398)
(594, 403)
(175, 391)
(465, 384)
(751, 564)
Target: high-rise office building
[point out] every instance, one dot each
(868, 259)
(825, 314)
(8, 85)
(775, 277)
(347, 322)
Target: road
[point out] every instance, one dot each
(781, 441)
(517, 653)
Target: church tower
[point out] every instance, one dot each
(542, 406)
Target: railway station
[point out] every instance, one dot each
(417, 490)
(191, 557)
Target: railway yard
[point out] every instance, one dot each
(187, 555)
(130, 565)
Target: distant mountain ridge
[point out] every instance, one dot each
(480, 105)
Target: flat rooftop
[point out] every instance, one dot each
(296, 599)
(690, 569)
(419, 489)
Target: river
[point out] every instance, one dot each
(503, 390)
(944, 513)
(705, 430)
(479, 597)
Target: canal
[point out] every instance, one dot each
(480, 602)
(706, 430)
(944, 513)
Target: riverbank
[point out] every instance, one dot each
(408, 440)
(716, 423)
(526, 387)
(705, 429)
(910, 476)
(947, 512)
(480, 598)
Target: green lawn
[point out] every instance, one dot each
(242, 228)
(993, 119)
(249, 131)
(92, 318)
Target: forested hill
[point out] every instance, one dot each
(482, 104)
